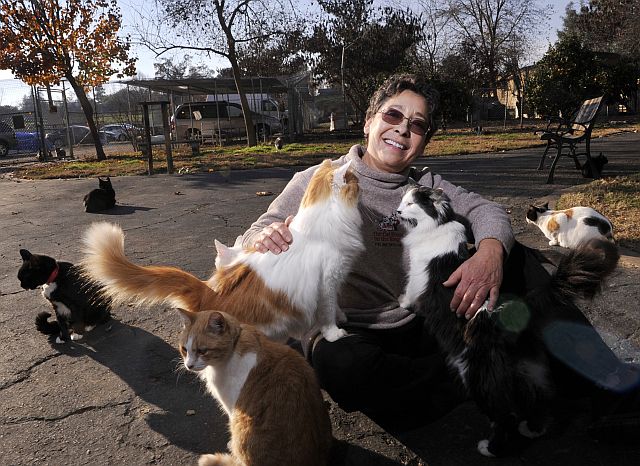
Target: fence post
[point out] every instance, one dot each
(147, 136)
(167, 135)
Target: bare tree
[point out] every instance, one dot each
(493, 30)
(220, 27)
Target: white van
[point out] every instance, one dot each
(218, 120)
(264, 104)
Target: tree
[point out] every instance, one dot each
(168, 68)
(606, 26)
(43, 41)
(493, 30)
(223, 27)
(570, 73)
(346, 46)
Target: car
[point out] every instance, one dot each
(122, 131)
(79, 135)
(8, 138)
(207, 120)
(29, 141)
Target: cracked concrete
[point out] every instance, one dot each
(116, 397)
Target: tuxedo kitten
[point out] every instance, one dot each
(77, 303)
(277, 415)
(101, 198)
(283, 295)
(499, 355)
(570, 227)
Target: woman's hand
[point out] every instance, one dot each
(477, 278)
(275, 238)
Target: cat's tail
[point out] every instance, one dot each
(582, 272)
(123, 281)
(43, 325)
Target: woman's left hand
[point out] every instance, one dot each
(477, 278)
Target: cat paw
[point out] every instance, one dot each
(218, 459)
(333, 333)
(76, 336)
(553, 243)
(524, 430)
(60, 341)
(483, 448)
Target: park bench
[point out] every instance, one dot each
(569, 133)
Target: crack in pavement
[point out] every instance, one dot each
(11, 421)
(26, 373)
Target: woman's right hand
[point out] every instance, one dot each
(275, 238)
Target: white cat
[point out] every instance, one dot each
(570, 227)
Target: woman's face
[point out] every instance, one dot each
(392, 147)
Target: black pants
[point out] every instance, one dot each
(397, 377)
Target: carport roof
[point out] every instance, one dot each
(187, 86)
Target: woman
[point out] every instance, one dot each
(387, 368)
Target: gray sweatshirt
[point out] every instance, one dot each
(369, 297)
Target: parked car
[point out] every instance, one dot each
(29, 141)
(207, 120)
(122, 131)
(7, 139)
(79, 135)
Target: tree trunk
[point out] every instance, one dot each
(88, 113)
(246, 111)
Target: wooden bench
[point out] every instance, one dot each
(569, 133)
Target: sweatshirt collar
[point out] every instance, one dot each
(390, 180)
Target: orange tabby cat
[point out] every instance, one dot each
(276, 412)
(279, 294)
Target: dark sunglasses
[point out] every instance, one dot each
(395, 117)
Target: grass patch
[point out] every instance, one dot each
(616, 198)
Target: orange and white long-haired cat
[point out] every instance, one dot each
(282, 295)
(276, 412)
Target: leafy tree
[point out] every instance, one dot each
(569, 73)
(225, 28)
(167, 68)
(493, 30)
(373, 41)
(43, 41)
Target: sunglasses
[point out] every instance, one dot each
(395, 117)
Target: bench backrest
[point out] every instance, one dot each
(585, 117)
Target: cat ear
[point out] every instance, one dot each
(545, 206)
(412, 182)
(26, 255)
(238, 242)
(339, 174)
(186, 317)
(216, 323)
(222, 250)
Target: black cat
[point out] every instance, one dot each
(101, 198)
(598, 162)
(78, 303)
(502, 356)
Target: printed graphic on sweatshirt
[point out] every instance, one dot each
(387, 232)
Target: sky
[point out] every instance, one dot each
(132, 10)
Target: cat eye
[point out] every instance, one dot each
(202, 351)
(183, 349)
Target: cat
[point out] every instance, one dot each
(500, 356)
(570, 227)
(77, 303)
(101, 198)
(277, 415)
(283, 295)
(598, 162)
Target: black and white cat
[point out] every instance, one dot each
(78, 304)
(101, 198)
(500, 356)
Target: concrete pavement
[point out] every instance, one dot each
(118, 398)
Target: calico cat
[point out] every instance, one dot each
(101, 198)
(570, 227)
(500, 356)
(276, 412)
(77, 303)
(282, 295)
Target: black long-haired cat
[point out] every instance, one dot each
(101, 198)
(500, 356)
(78, 304)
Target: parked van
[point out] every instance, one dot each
(218, 120)
(263, 104)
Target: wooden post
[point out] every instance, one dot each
(167, 135)
(147, 136)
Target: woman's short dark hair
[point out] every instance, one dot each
(397, 83)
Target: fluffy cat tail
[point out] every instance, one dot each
(123, 281)
(44, 326)
(582, 272)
